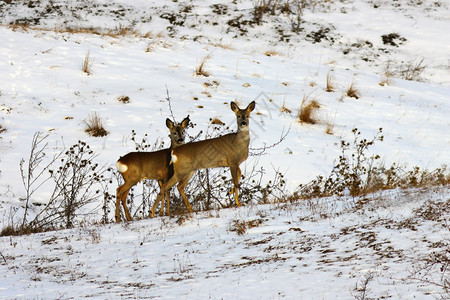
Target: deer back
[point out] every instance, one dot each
(223, 151)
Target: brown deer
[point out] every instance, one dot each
(228, 150)
(136, 166)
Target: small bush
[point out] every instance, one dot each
(77, 182)
(241, 227)
(94, 126)
(356, 173)
(412, 70)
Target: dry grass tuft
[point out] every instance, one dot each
(200, 70)
(330, 125)
(330, 85)
(87, 64)
(216, 121)
(2, 129)
(386, 76)
(412, 70)
(94, 126)
(284, 109)
(352, 91)
(271, 53)
(223, 46)
(329, 128)
(307, 109)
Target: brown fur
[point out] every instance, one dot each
(229, 150)
(148, 165)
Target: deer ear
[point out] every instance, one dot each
(185, 122)
(234, 107)
(251, 107)
(169, 123)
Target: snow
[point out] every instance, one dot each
(285, 256)
(294, 253)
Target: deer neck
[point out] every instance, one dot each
(243, 133)
(242, 140)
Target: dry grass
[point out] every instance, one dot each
(200, 70)
(284, 109)
(2, 129)
(412, 70)
(353, 91)
(271, 53)
(216, 121)
(223, 46)
(385, 80)
(330, 85)
(307, 109)
(87, 64)
(330, 125)
(115, 33)
(386, 76)
(94, 126)
(329, 128)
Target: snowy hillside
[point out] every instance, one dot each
(394, 249)
(396, 54)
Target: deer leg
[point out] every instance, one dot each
(236, 175)
(181, 185)
(121, 196)
(165, 187)
(117, 215)
(124, 204)
(168, 203)
(161, 211)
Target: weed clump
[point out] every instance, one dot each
(124, 99)
(330, 85)
(87, 64)
(352, 91)
(356, 173)
(94, 126)
(200, 70)
(307, 109)
(393, 39)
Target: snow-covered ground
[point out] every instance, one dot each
(393, 249)
(292, 253)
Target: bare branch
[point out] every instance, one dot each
(261, 150)
(170, 106)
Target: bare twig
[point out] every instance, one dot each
(261, 150)
(170, 105)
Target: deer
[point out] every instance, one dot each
(136, 166)
(228, 150)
